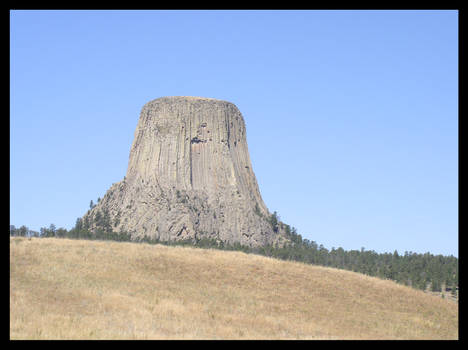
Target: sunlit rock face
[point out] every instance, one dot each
(190, 176)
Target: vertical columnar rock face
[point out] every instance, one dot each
(190, 177)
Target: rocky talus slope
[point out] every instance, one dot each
(189, 176)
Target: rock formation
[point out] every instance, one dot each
(189, 176)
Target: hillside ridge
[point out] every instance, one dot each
(78, 289)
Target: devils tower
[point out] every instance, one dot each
(189, 176)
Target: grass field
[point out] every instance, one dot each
(76, 289)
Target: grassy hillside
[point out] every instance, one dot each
(76, 289)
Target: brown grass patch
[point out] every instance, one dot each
(72, 289)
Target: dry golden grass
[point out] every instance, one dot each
(70, 289)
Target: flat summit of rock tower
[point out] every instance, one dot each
(189, 176)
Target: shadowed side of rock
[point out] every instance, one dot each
(189, 176)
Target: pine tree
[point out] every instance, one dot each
(51, 230)
(61, 232)
(435, 285)
(86, 224)
(454, 291)
(274, 221)
(98, 219)
(23, 231)
(79, 224)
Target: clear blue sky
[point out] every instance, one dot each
(352, 116)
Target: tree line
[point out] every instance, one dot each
(417, 270)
